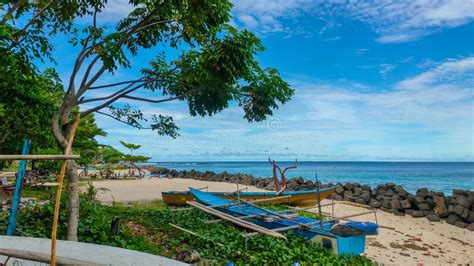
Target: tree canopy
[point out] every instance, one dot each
(216, 64)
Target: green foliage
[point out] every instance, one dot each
(95, 227)
(130, 146)
(281, 207)
(158, 237)
(109, 155)
(28, 102)
(92, 192)
(85, 143)
(133, 158)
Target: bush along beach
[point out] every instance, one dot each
(456, 209)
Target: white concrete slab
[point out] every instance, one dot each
(90, 253)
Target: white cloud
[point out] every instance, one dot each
(401, 21)
(394, 20)
(454, 71)
(385, 69)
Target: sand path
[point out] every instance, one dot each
(414, 240)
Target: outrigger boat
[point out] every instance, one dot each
(343, 238)
(300, 198)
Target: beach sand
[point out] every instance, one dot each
(150, 189)
(414, 240)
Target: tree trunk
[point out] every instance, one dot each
(73, 200)
(61, 136)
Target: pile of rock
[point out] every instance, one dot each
(297, 183)
(457, 209)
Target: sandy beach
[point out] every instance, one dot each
(150, 189)
(414, 240)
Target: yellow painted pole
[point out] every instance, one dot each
(60, 188)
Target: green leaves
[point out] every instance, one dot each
(164, 126)
(222, 70)
(130, 146)
(158, 237)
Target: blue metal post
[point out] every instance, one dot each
(16, 196)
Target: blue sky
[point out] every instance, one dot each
(376, 80)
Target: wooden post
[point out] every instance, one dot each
(17, 194)
(38, 157)
(60, 188)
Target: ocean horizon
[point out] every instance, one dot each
(436, 176)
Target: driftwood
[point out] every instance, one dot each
(235, 220)
(280, 186)
(5, 157)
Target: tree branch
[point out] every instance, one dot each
(122, 121)
(88, 71)
(29, 23)
(106, 97)
(107, 103)
(10, 11)
(115, 84)
(149, 100)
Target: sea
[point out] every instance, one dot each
(436, 176)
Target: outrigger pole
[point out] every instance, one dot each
(319, 199)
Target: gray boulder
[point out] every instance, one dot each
(417, 214)
(470, 217)
(461, 224)
(338, 197)
(395, 204)
(375, 203)
(463, 201)
(360, 201)
(357, 191)
(459, 210)
(405, 204)
(453, 218)
(433, 218)
(423, 207)
(470, 227)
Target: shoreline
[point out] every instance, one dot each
(413, 241)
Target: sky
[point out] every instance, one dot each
(374, 81)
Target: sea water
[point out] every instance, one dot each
(437, 176)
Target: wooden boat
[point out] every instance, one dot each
(343, 239)
(300, 198)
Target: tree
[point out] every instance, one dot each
(109, 155)
(217, 66)
(130, 146)
(132, 159)
(28, 103)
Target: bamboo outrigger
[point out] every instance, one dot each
(342, 238)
